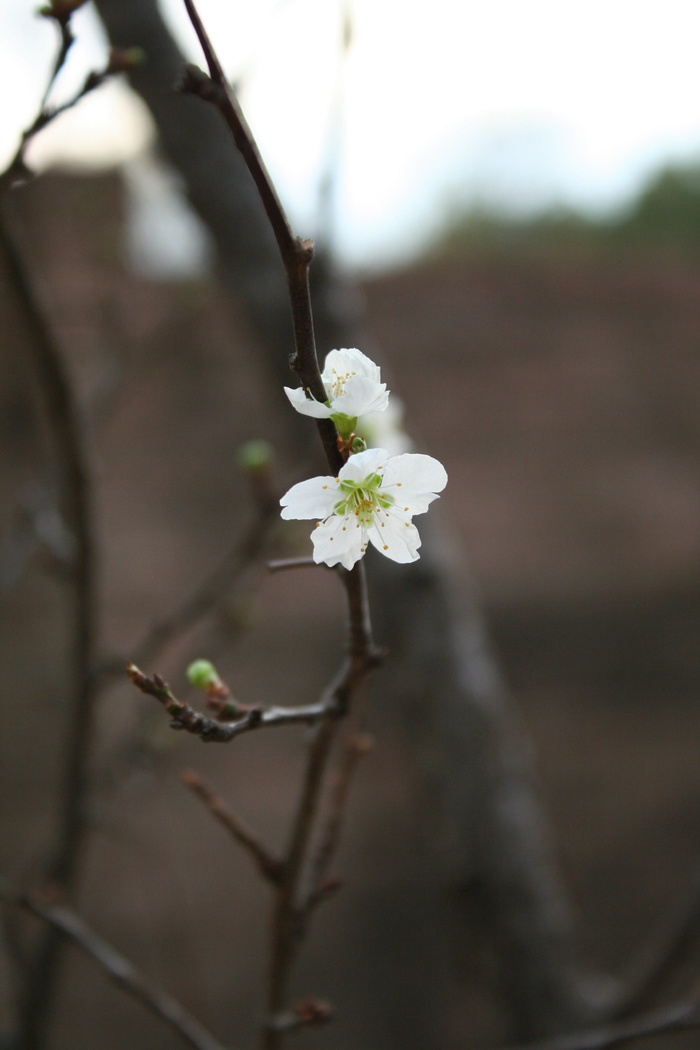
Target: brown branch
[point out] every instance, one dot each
(268, 865)
(216, 89)
(17, 170)
(291, 913)
(288, 921)
(210, 730)
(680, 1017)
(296, 253)
(75, 500)
(489, 794)
(319, 885)
(119, 969)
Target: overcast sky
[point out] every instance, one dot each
(506, 101)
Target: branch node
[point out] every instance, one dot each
(305, 248)
(194, 81)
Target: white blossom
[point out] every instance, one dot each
(353, 386)
(372, 500)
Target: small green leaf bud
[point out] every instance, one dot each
(202, 674)
(358, 445)
(256, 455)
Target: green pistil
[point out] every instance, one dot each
(363, 499)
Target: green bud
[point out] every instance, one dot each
(256, 455)
(345, 425)
(358, 445)
(202, 674)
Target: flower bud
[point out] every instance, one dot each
(202, 675)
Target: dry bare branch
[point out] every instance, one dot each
(68, 925)
(268, 865)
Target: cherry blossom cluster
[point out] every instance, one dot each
(375, 495)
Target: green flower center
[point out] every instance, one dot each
(363, 499)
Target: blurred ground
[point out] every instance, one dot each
(562, 395)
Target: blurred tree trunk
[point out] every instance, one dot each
(445, 681)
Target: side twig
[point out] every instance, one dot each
(679, 1017)
(67, 925)
(319, 884)
(210, 730)
(289, 917)
(268, 865)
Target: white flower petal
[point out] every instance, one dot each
(314, 498)
(397, 539)
(416, 474)
(364, 464)
(358, 508)
(307, 406)
(411, 504)
(338, 540)
(347, 361)
(362, 395)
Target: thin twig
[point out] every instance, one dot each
(67, 40)
(283, 564)
(680, 1017)
(296, 253)
(120, 970)
(269, 866)
(319, 885)
(17, 170)
(210, 730)
(288, 921)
